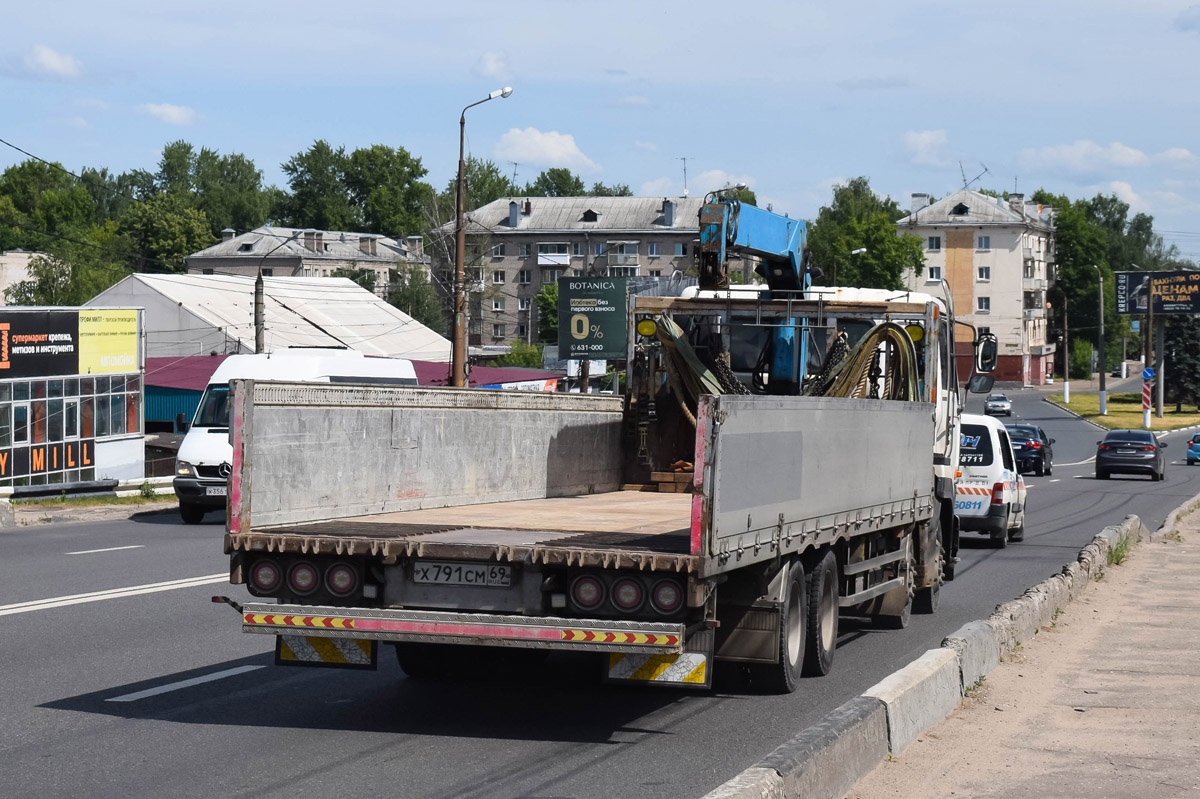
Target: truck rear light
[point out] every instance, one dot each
(666, 596)
(587, 592)
(303, 578)
(265, 577)
(341, 579)
(627, 594)
(998, 494)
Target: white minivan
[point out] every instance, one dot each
(205, 456)
(989, 492)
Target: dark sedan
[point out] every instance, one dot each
(1131, 452)
(1031, 446)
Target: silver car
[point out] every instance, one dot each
(997, 405)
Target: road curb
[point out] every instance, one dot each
(847, 743)
(1077, 416)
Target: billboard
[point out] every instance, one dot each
(591, 318)
(108, 341)
(1176, 292)
(45, 343)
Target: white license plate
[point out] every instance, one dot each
(445, 572)
(216, 491)
(1124, 452)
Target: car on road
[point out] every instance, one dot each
(990, 492)
(1131, 452)
(997, 404)
(1193, 454)
(1032, 448)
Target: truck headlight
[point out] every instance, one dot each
(184, 469)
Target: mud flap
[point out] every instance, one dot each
(309, 650)
(690, 669)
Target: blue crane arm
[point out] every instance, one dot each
(729, 227)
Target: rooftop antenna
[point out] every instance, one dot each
(967, 183)
(514, 177)
(683, 158)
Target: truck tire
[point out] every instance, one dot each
(926, 600)
(191, 514)
(1000, 539)
(1017, 533)
(822, 616)
(950, 551)
(427, 661)
(784, 676)
(900, 622)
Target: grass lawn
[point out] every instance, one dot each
(1125, 411)
(85, 502)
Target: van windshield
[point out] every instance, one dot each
(975, 446)
(214, 408)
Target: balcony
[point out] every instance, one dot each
(622, 258)
(1027, 253)
(1034, 313)
(1033, 284)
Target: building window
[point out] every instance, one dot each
(206, 271)
(935, 243)
(549, 276)
(498, 277)
(578, 250)
(552, 254)
(983, 331)
(600, 249)
(983, 304)
(652, 248)
(497, 331)
(268, 272)
(246, 247)
(523, 250)
(985, 273)
(655, 273)
(498, 251)
(525, 277)
(680, 248)
(497, 303)
(935, 274)
(576, 273)
(983, 243)
(623, 271)
(522, 303)
(522, 331)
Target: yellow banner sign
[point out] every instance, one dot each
(108, 341)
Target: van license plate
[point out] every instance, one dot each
(216, 491)
(487, 575)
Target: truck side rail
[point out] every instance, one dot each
(314, 452)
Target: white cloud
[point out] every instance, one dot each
(635, 99)
(532, 146)
(1081, 156)
(493, 65)
(713, 179)
(659, 187)
(927, 147)
(648, 146)
(171, 114)
(1188, 19)
(1176, 156)
(1126, 194)
(43, 61)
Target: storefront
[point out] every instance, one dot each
(70, 395)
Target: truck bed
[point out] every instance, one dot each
(618, 529)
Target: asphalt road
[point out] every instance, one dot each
(156, 691)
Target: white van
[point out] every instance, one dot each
(205, 456)
(990, 492)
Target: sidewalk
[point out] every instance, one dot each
(1103, 703)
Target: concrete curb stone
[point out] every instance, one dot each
(828, 758)
(1172, 519)
(919, 695)
(753, 783)
(978, 648)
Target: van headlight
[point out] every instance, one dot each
(184, 469)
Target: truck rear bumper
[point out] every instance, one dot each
(442, 627)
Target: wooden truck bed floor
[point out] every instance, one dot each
(620, 529)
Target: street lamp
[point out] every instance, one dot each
(833, 279)
(458, 356)
(1100, 342)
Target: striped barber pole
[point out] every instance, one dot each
(1145, 395)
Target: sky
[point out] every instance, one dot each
(791, 98)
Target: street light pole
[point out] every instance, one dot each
(1066, 351)
(1100, 359)
(458, 357)
(859, 251)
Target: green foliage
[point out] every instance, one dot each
(522, 354)
(556, 182)
(1081, 359)
(147, 490)
(319, 199)
(485, 183)
(410, 291)
(73, 273)
(547, 303)
(1181, 349)
(229, 191)
(363, 277)
(615, 190)
(163, 230)
(744, 195)
(385, 188)
(858, 218)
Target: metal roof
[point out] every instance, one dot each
(613, 214)
(300, 312)
(335, 244)
(981, 209)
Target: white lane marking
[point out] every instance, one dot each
(1055, 480)
(115, 593)
(175, 686)
(108, 549)
(1078, 463)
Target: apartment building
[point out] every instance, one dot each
(515, 246)
(997, 256)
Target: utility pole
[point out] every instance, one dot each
(1066, 354)
(260, 315)
(1100, 359)
(1160, 363)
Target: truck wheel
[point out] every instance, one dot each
(950, 552)
(427, 661)
(822, 617)
(926, 600)
(1000, 539)
(901, 621)
(1017, 533)
(784, 676)
(191, 514)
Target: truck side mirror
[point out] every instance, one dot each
(980, 384)
(987, 353)
(181, 423)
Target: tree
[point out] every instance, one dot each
(111, 194)
(556, 182)
(485, 183)
(410, 291)
(319, 198)
(228, 189)
(1181, 347)
(858, 218)
(163, 230)
(74, 272)
(41, 199)
(547, 303)
(743, 195)
(384, 185)
(522, 354)
(615, 190)
(177, 169)
(363, 277)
